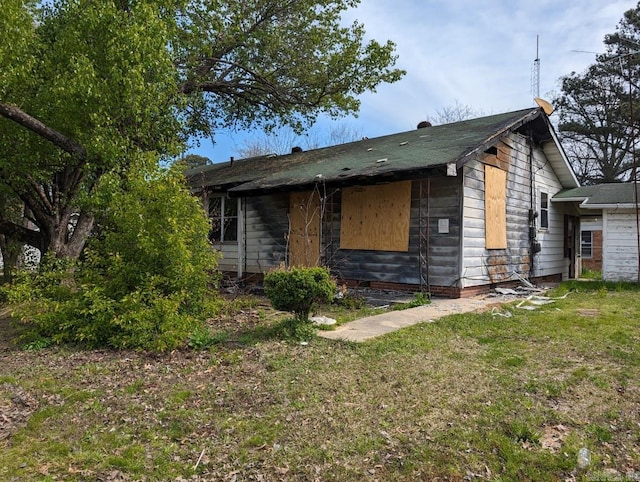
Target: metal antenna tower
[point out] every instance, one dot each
(535, 74)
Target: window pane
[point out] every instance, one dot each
(586, 244)
(230, 207)
(230, 229)
(215, 214)
(544, 210)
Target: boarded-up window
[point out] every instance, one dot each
(304, 229)
(376, 217)
(495, 207)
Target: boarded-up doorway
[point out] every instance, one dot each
(304, 229)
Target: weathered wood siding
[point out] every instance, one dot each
(620, 257)
(482, 266)
(438, 199)
(229, 256)
(266, 224)
(551, 259)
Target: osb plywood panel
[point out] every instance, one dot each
(376, 217)
(495, 208)
(304, 229)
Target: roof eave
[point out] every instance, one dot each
(491, 140)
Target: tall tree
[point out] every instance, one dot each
(88, 88)
(598, 108)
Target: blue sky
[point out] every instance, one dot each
(478, 53)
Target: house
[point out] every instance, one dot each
(609, 227)
(452, 210)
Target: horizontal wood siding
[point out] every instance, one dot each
(229, 256)
(551, 259)
(266, 227)
(397, 266)
(485, 266)
(620, 257)
(444, 203)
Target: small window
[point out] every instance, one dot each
(586, 244)
(544, 210)
(223, 213)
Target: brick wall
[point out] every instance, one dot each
(595, 262)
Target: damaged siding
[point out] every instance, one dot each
(482, 265)
(550, 260)
(437, 201)
(266, 227)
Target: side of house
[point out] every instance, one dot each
(620, 228)
(610, 232)
(452, 209)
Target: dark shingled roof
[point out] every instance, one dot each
(368, 160)
(599, 194)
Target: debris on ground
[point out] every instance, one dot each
(495, 312)
(533, 302)
(322, 320)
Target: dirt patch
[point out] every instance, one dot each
(553, 437)
(589, 312)
(16, 406)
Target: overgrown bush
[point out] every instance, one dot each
(298, 289)
(144, 281)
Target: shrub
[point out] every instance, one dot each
(144, 280)
(298, 289)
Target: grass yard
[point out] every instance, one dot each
(470, 397)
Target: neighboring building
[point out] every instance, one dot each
(610, 213)
(453, 209)
(591, 242)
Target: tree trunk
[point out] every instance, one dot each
(67, 239)
(10, 251)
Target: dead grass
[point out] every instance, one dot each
(469, 397)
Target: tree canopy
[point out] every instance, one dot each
(599, 107)
(91, 88)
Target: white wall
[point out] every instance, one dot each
(620, 245)
(482, 266)
(550, 260)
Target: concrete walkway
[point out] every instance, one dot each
(372, 326)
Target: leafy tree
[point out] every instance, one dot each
(10, 248)
(87, 88)
(100, 91)
(596, 108)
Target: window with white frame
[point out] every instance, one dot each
(544, 210)
(586, 244)
(223, 213)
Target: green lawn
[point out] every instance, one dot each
(470, 397)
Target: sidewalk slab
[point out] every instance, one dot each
(377, 325)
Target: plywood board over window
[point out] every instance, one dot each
(495, 207)
(376, 217)
(304, 229)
